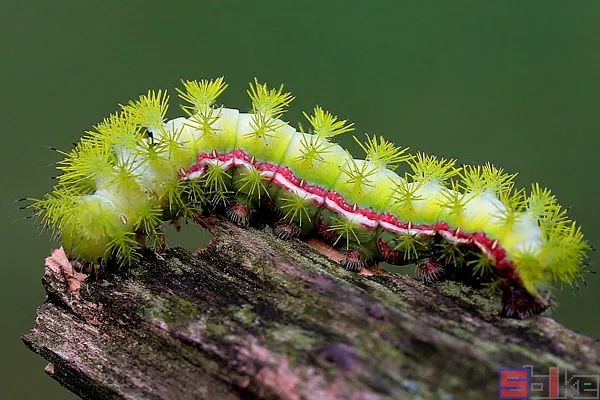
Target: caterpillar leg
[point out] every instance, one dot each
(239, 213)
(430, 270)
(354, 260)
(286, 230)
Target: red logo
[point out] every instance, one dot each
(553, 384)
(514, 384)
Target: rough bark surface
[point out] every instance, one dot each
(252, 316)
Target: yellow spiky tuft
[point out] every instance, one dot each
(481, 265)
(149, 109)
(83, 165)
(123, 247)
(487, 177)
(383, 153)
(55, 207)
(326, 125)
(431, 168)
(562, 256)
(543, 204)
(149, 218)
(214, 182)
(113, 129)
(268, 105)
(202, 95)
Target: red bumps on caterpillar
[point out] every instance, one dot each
(136, 169)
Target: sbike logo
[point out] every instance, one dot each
(557, 383)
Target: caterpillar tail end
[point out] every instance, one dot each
(517, 303)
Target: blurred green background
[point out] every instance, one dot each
(515, 83)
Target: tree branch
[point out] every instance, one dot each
(252, 316)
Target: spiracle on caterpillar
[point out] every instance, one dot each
(135, 170)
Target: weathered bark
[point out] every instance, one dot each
(252, 316)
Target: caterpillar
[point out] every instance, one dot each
(136, 169)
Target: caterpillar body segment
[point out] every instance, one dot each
(136, 170)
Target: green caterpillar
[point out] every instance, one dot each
(135, 170)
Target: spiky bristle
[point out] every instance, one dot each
(345, 229)
(252, 184)
(359, 174)
(454, 201)
(83, 165)
(481, 265)
(428, 167)
(313, 149)
(123, 247)
(326, 125)
(214, 180)
(268, 105)
(410, 245)
(487, 177)
(202, 94)
(149, 109)
(296, 209)
(382, 152)
(405, 195)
